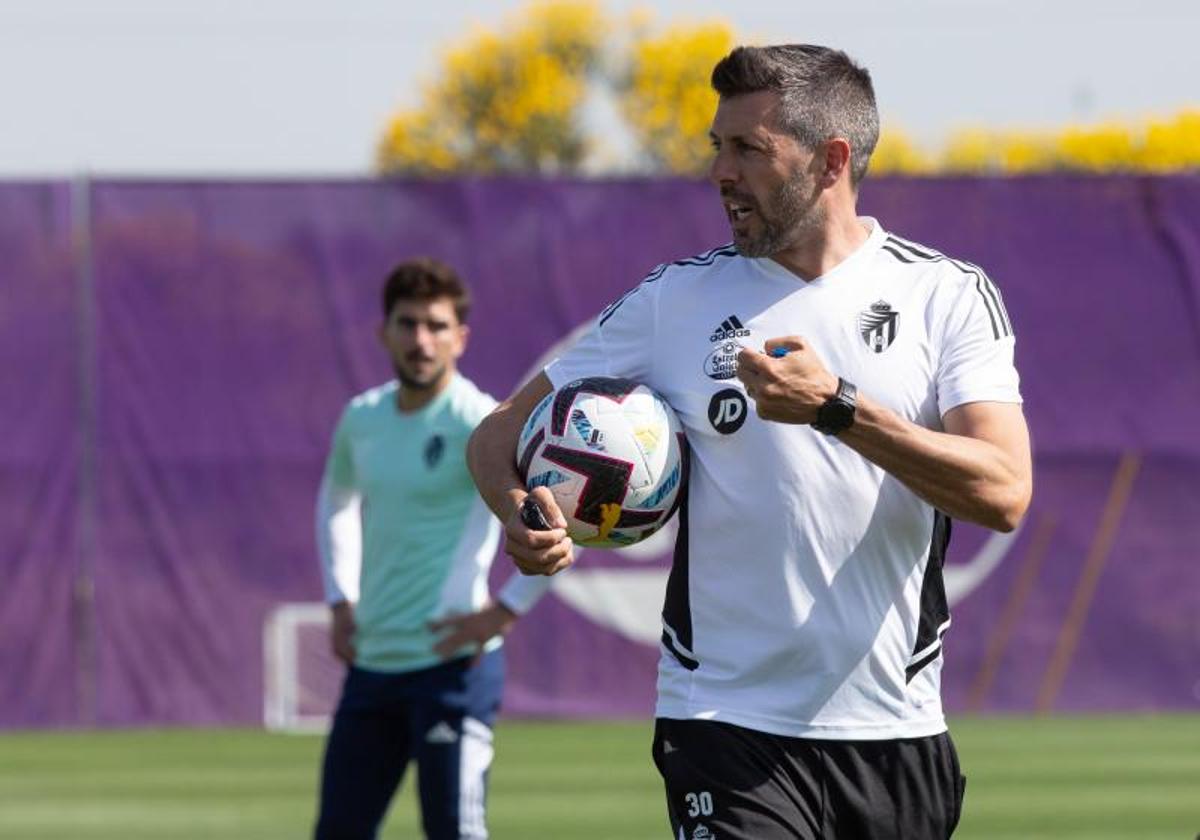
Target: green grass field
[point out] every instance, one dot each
(1102, 777)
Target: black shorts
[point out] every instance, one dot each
(728, 783)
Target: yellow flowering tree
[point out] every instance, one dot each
(971, 150)
(1099, 148)
(665, 94)
(1172, 144)
(511, 100)
(1155, 146)
(505, 101)
(896, 154)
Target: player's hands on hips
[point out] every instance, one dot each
(787, 381)
(539, 552)
(341, 631)
(472, 629)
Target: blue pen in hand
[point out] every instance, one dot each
(779, 352)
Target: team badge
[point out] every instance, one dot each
(879, 326)
(435, 447)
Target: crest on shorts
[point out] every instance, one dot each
(879, 325)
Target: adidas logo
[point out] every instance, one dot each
(731, 327)
(441, 733)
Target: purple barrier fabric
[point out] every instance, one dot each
(41, 631)
(232, 321)
(1102, 279)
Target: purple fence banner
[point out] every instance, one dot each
(43, 599)
(175, 355)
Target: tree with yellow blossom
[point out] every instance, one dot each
(897, 154)
(1156, 145)
(512, 100)
(505, 101)
(665, 94)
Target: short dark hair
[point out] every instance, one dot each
(426, 279)
(824, 94)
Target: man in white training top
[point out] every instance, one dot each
(406, 545)
(845, 393)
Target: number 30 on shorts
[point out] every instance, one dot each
(699, 804)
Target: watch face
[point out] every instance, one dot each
(837, 413)
(840, 415)
(834, 416)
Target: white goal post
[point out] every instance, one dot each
(301, 676)
(302, 679)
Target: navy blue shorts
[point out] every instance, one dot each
(440, 717)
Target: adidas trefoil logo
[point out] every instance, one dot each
(441, 733)
(731, 327)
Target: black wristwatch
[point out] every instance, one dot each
(836, 414)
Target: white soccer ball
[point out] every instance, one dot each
(613, 454)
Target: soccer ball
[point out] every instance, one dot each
(613, 454)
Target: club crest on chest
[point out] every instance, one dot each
(435, 447)
(879, 325)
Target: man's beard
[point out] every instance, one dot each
(788, 216)
(418, 384)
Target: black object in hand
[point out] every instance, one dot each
(532, 516)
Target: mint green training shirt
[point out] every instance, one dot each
(427, 539)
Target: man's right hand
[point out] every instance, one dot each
(539, 552)
(341, 631)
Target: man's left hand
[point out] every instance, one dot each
(475, 628)
(787, 387)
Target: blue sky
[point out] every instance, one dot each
(303, 87)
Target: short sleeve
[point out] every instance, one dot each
(620, 343)
(478, 406)
(339, 467)
(976, 344)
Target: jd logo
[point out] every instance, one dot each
(727, 411)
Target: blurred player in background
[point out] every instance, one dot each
(405, 546)
(874, 397)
